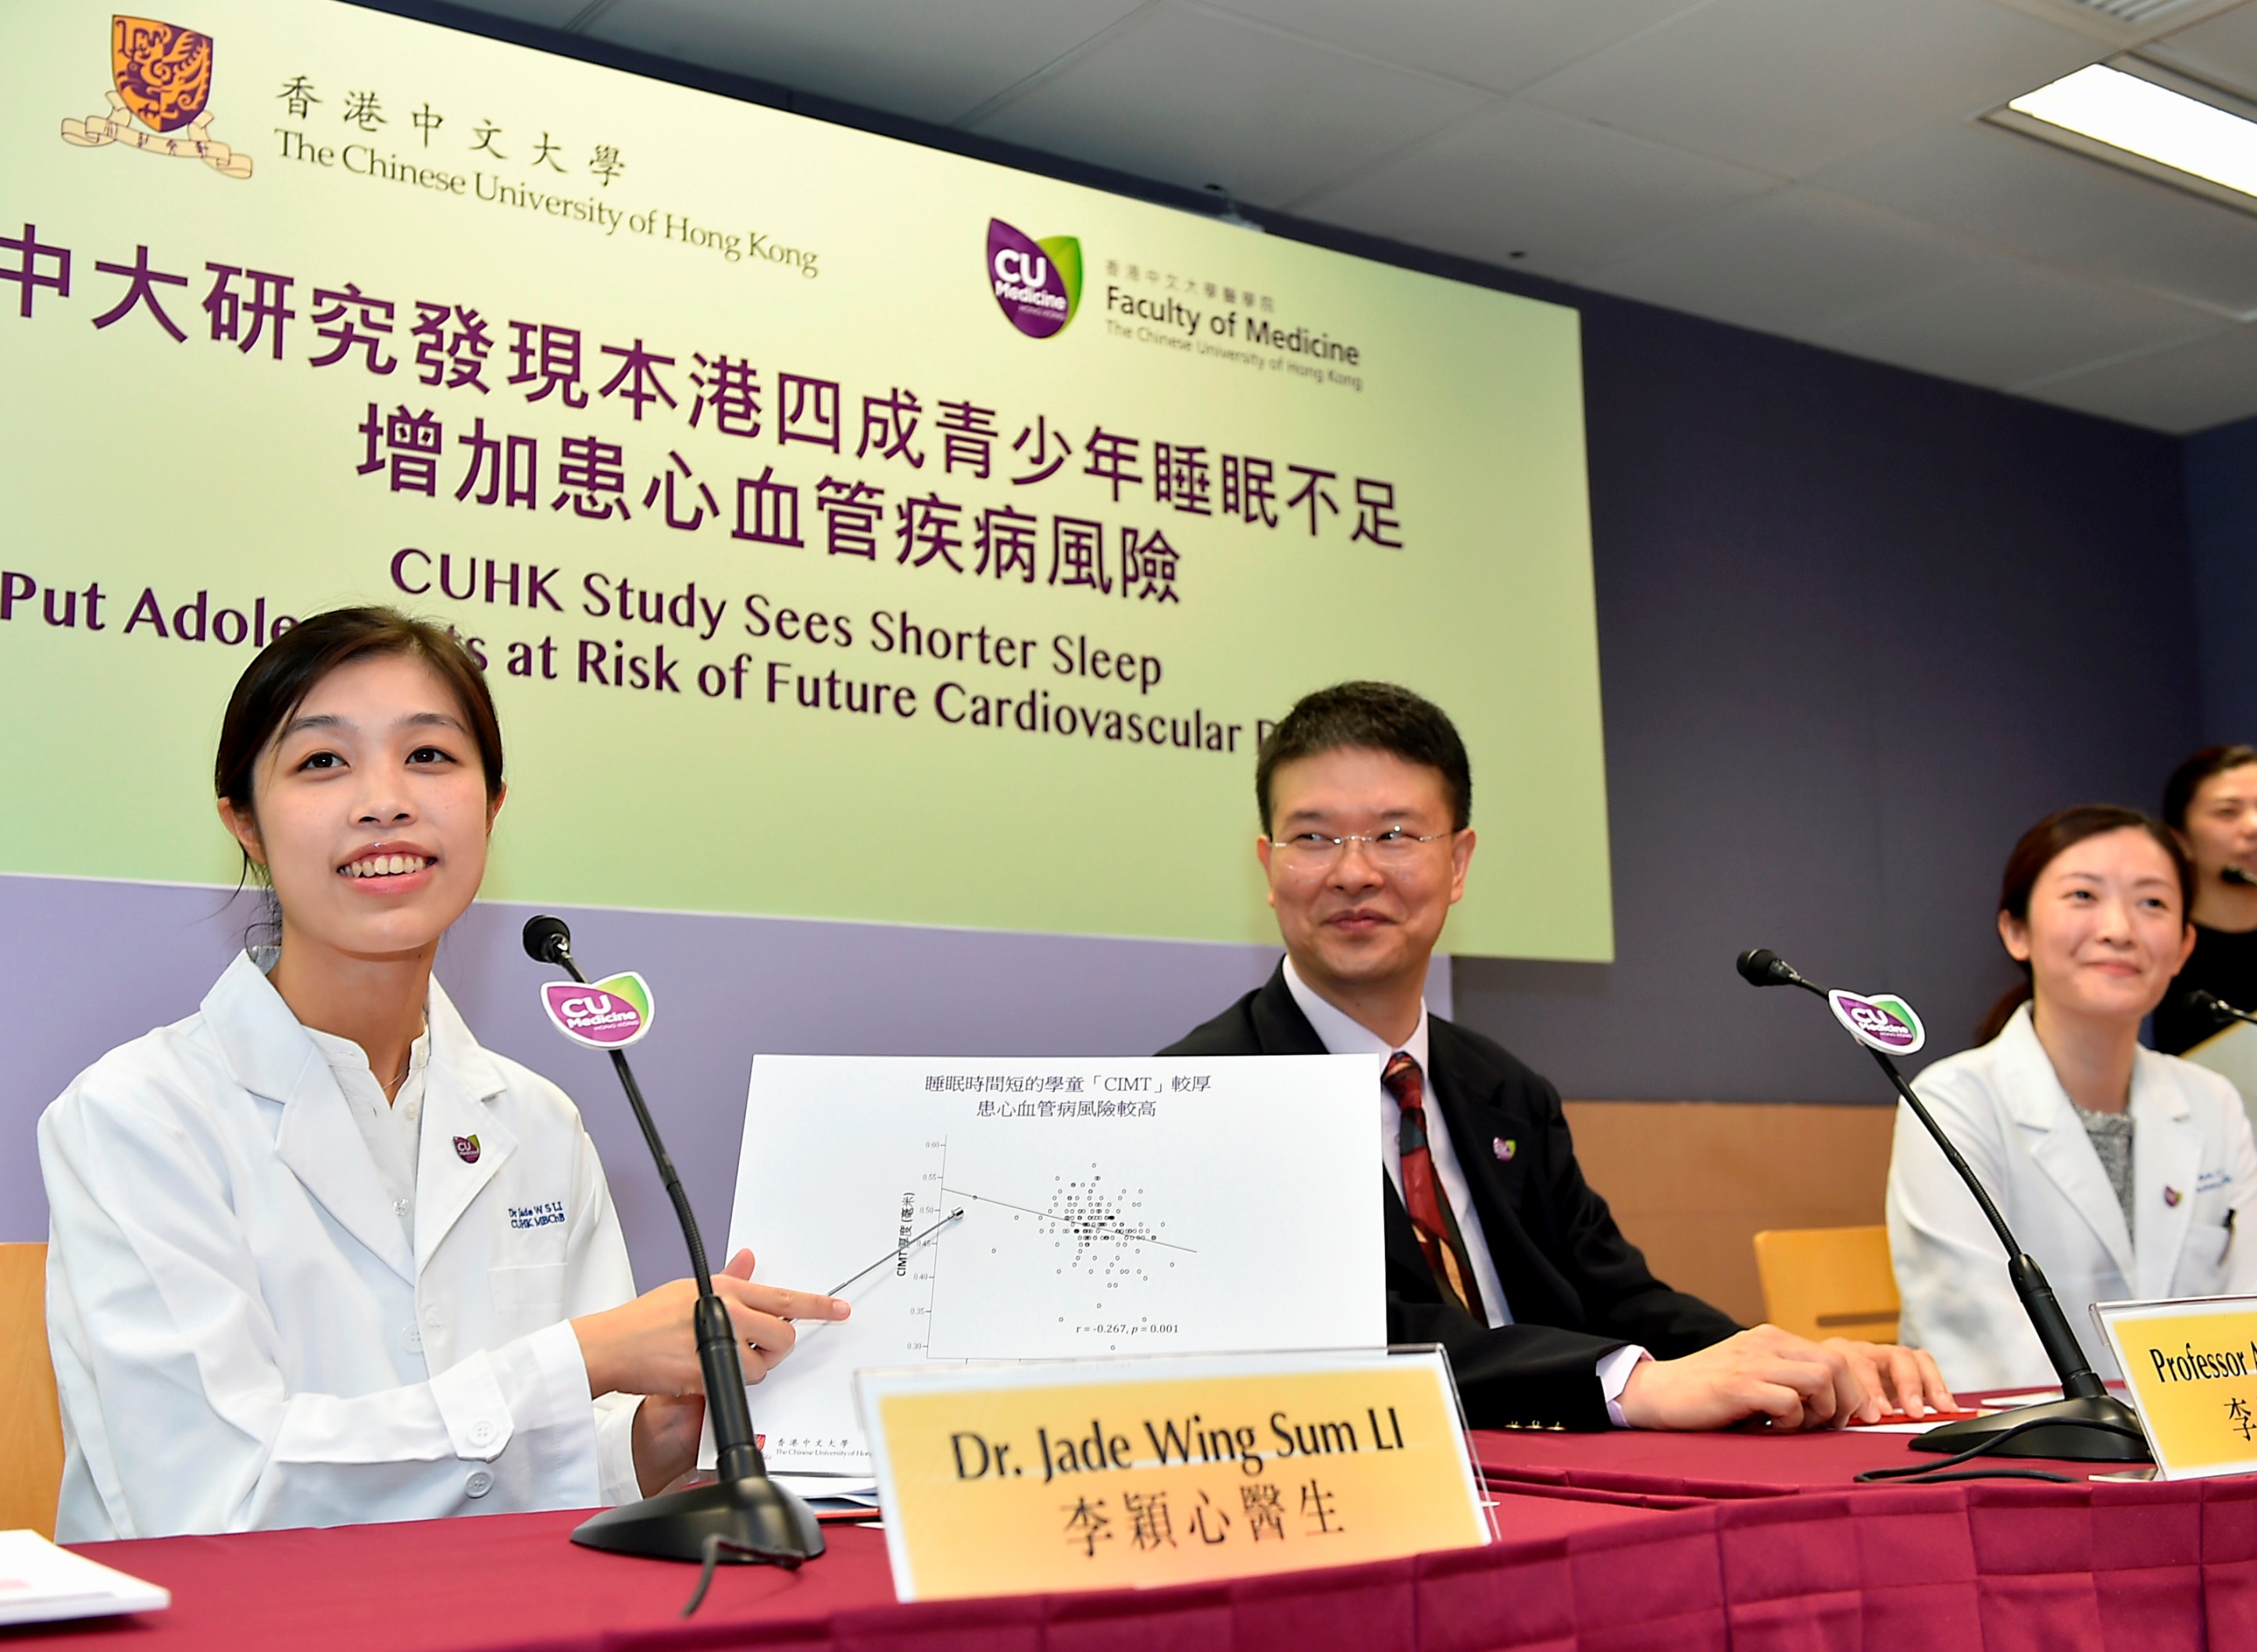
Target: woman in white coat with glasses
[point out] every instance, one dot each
(317, 1256)
(2126, 1173)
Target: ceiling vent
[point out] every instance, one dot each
(2122, 23)
(2134, 13)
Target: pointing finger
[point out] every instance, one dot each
(786, 1304)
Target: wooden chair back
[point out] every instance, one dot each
(30, 1419)
(1829, 1281)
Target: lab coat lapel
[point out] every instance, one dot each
(2057, 1144)
(464, 1141)
(2166, 1161)
(270, 1054)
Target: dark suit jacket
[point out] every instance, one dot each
(1576, 1288)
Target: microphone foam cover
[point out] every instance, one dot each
(547, 939)
(1758, 966)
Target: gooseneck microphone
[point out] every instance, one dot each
(2087, 1424)
(2217, 1008)
(1760, 966)
(742, 1516)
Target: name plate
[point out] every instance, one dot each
(1111, 1475)
(2191, 1366)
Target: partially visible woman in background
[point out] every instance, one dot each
(2121, 1170)
(2210, 801)
(317, 1257)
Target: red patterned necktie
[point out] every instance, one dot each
(1436, 1224)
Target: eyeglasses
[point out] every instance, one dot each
(1313, 851)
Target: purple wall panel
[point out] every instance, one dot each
(115, 959)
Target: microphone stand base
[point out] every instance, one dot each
(2100, 1429)
(757, 1520)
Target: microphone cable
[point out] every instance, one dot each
(1934, 1473)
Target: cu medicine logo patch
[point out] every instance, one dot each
(161, 77)
(1038, 284)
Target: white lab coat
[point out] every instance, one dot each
(244, 1335)
(2192, 1161)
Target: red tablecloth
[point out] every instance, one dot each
(1607, 1543)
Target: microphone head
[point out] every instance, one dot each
(1760, 966)
(2211, 1005)
(547, 940)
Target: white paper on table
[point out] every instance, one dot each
(2015, 1398)
(1897, 1428)
(1199, 1206)
(42, 1584)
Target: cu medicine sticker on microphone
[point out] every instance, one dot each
(611, 1015)
(1884, 1022)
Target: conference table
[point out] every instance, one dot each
(1606, 1542)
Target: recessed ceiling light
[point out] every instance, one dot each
(2137, 120)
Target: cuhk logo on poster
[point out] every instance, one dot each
(1038, 284)
(160, 78)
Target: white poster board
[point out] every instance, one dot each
(2233, 1053)
(1108, 1208)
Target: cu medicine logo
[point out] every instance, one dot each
(1882, 1021)
(606, 1015)
(1038, 284)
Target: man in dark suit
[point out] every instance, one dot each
(1497, 1247)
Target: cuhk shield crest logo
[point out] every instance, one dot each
(162, 71)
(611, 1015)
(160, 78)
(1884, 1022)
(1038, 284)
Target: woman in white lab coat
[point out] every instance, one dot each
(2124, 1172)
(317, 1256)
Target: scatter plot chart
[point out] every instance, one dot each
(1095, 1250)
(1000, 1210)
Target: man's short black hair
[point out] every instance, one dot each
(1372, 716)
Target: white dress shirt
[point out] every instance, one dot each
(1342, 1035)
(392, 1128)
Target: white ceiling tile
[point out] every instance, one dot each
(2016, 192)
(1498, 44)
(1793, 262)
(1642, 152)
(2223, 49)
(1788, 86)
(1539, 191)
(1195, 97)
(2008, 323)
(553, 14)
(2191, 387)
(932, 62)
